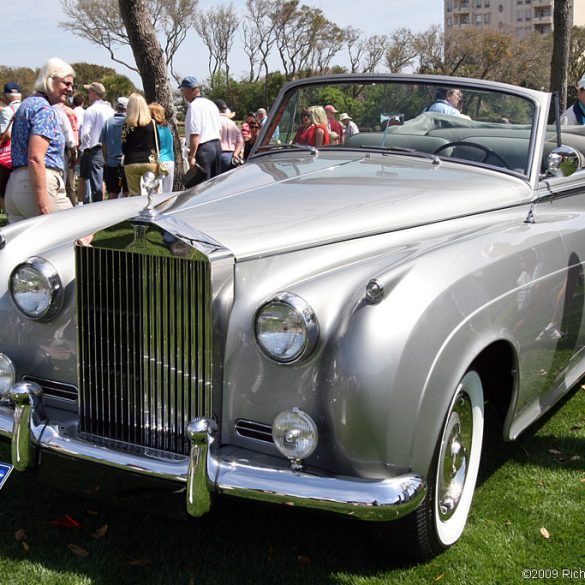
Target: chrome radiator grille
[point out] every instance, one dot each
(144, 339)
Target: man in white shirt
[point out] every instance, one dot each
(202, 129)
(92, 159)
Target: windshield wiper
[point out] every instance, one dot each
(294, 146)
(400, 150)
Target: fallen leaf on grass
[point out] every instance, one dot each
(25, 546)
(545, 533)
(77, 550)
(439, 577)
(140, 562)
(555, 452)
(583, 480)
(576, 458)
(101, 532)
(20, 534)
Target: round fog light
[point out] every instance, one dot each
(295, 434)
(7, 374)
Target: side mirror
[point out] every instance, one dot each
(563, 161)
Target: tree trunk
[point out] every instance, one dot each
(563, 23)
(151, 63)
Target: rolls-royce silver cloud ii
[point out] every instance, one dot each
(334, 325)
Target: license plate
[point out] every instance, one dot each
(5, 469)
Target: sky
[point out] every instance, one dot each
(31, 33)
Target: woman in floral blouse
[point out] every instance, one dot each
(36, 185)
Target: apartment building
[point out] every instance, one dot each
(520, 17)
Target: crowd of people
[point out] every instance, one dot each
(61, 149)
(320, 127)
(56, 153)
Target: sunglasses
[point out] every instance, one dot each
(254, 126)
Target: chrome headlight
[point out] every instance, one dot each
(286, 328)
(36, 288)
(7, 374)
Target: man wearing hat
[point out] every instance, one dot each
(111, 141)
(232, 141)
(202, 129)
(334, 125)
(350, 126)
(12, 97)
(575, 115)
(92, 161)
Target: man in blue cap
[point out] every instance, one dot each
(202, 129)
(12, 97)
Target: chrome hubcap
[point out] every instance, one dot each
(454, 456)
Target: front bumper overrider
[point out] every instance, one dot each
(209, 469)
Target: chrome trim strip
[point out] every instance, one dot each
(243, 474)
(376, 500)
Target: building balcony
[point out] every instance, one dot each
(542, 3)
(540, 20)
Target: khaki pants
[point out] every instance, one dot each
(134, 173)
(21, 202)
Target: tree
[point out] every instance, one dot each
(217, 27)
(259, 32)
(559, 69)
(305, 39)
(365, 54)
(148, 55)
(24, 76)
(115, 84)
(485, 54)
(100, 22)
(402, 50)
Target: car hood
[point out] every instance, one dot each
(289, 201)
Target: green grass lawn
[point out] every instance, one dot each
(528, 513)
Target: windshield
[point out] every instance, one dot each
(466, 123)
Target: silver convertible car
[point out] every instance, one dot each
(333, 327)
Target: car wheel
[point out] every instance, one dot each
(439, 521)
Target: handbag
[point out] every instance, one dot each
(161, 168)
(194, 176)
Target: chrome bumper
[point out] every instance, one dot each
(209, 470)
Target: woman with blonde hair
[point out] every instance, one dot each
(138, 142)
(317, 133)
(36, 185)
(165, 143)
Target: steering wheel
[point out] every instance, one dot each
(488, 152)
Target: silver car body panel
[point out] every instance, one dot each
(467, 255)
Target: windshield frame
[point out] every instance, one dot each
(539, 101)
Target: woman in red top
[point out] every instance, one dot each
(317, 134)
